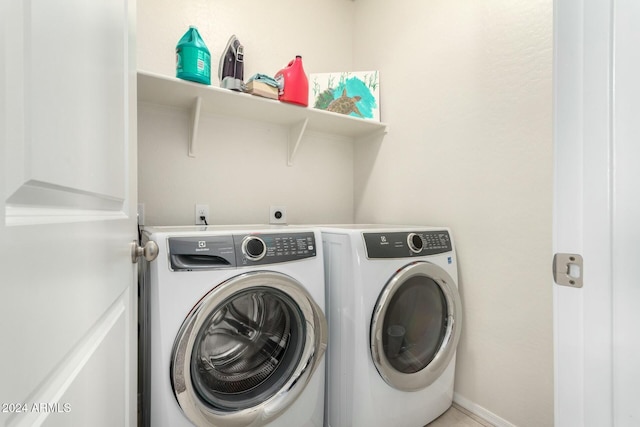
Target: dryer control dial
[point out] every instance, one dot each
(415, 243)
(254, 248)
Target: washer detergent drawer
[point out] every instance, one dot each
(201, 253)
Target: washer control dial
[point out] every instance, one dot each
(254, 248)
(415, 243)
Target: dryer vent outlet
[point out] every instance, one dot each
(278, 215)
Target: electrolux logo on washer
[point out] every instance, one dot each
(202, 246)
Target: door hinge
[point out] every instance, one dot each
(568, 270)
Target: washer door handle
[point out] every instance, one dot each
(149, 251)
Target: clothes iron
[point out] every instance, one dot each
(231, 69)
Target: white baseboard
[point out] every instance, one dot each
(479, 411)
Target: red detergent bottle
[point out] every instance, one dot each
(294, 85)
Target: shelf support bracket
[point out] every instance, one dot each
(295, 136)
(195, 119)
(380, 133)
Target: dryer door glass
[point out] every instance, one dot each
(247, 349)
(415, 324)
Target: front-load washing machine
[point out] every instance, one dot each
(233, 328)
(394, 316)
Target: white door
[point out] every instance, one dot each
(597, 206)
(67, 213)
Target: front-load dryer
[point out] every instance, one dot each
(233, 328)
(394, 316)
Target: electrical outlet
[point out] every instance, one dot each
(201, 211)
(278, 215)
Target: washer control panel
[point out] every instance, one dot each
(258, 249)
(406, 244)
(213, 252)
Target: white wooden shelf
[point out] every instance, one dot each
(197, 98)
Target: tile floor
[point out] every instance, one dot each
(458, 417)
(454, 417)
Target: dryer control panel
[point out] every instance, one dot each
(205, 252)
(406, 244)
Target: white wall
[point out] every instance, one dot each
(240, 170)
(241, 166)
(466, 89)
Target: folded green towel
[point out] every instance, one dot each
(263, 78)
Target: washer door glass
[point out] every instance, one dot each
(247, 350)
(415, 326)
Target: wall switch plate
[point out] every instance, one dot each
(201, 211)
(278, 215)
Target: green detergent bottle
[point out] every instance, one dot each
(193, 61)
